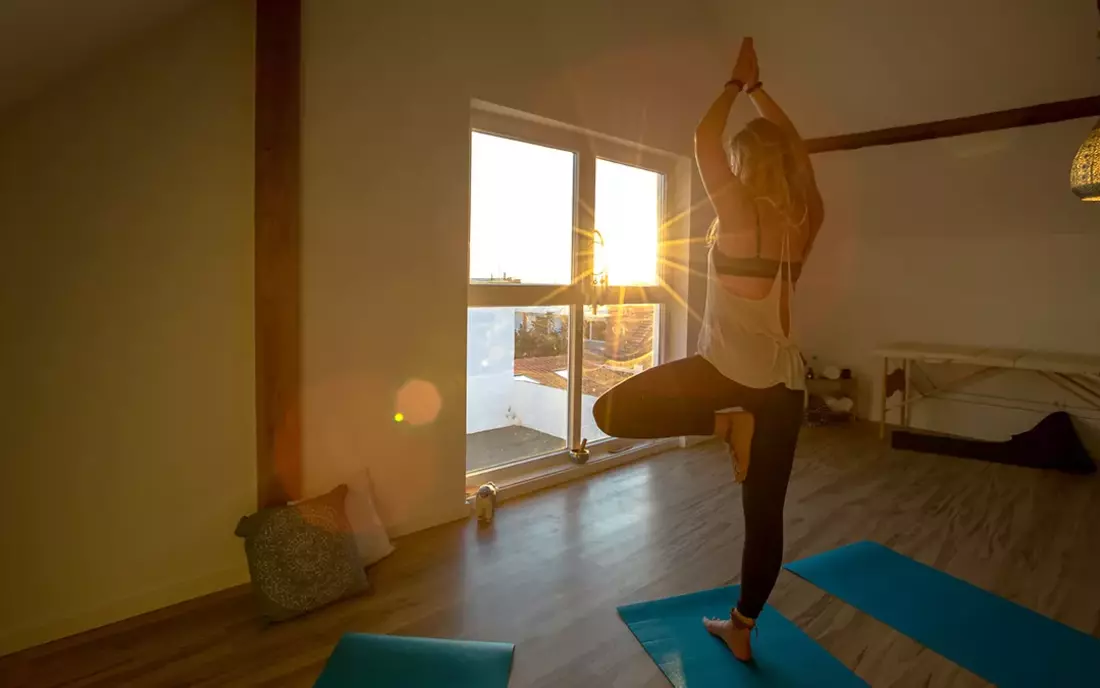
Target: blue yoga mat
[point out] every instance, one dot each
(385, 661)
(671, 631)
(1000, 641)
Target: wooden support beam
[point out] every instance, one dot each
(1031, 115)
(278, 251)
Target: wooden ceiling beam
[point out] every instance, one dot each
(1031, 115)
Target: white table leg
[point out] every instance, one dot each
(882, 397)
(906, 419)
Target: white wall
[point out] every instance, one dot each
(542, 408)
(975, 240)
(494, 398)
(490, 365)
(490, 402)
(854, 65)
(126, 296)
(48, 39)
(500, 401)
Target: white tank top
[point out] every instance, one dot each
(743, 338)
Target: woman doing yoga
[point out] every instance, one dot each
(769, 211)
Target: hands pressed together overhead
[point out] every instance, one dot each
(746, 71)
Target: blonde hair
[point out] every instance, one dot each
(763, 159)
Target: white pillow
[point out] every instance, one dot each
(370, 535)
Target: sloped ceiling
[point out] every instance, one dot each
(854, 65)
(43, 40)
(841, 66)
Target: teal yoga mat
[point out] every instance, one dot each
(386, 661)
(671, 631)
(1002, 642)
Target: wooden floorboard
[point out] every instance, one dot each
(550, 572)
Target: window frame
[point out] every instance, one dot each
(673, 213)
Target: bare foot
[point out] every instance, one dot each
(737, 639)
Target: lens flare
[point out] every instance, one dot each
(418, 402)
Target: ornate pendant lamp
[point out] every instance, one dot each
(1084, 175)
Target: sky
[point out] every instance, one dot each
(521, 215)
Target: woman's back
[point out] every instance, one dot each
(747, 322)
(749, 258)
(769, 210)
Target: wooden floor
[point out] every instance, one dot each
(551, 571)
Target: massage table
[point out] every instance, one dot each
(1078, 374)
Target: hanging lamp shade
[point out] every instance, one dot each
(1084, 176)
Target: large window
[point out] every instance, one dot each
(567, 296)
(521, 212)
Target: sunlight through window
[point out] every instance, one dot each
(540, 355)
(628, 224)
(521, 212)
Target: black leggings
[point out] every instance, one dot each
(681, 398)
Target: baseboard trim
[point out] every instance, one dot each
(165, 601)
(93, 619)
(458, 512)
(569, 472)
(694, 440)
